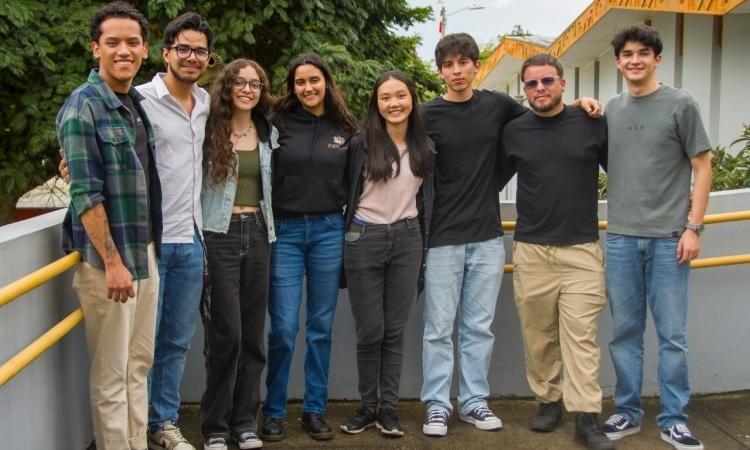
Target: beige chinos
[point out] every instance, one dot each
(559, 293)
(120, 340)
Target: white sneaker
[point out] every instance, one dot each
(169, 437)
(215, 443)
(249, 439)
(483, 418)
(436, 423)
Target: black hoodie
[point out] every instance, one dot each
(309, 173)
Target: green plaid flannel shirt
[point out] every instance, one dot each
(98, 135)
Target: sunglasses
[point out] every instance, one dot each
(546, 82)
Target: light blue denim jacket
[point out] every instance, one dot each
(217, 200)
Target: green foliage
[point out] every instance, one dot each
(45, 55)
(602, 188)
(732, 172)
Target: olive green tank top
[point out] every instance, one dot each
(248, 180)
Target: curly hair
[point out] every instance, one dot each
(642, 33)
(334, 103)
(218, 158)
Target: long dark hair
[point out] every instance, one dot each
(381, 150)
(217, 146)
(334, 103)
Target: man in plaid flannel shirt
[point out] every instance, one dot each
(114, 221)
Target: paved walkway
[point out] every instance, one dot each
(722, 422)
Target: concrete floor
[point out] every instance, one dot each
(722, 422)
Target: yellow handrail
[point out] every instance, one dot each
(720, 261)
(703, 263)
(26, 356)
(708, 219)
(36, 279)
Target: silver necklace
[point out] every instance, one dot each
(242, 134)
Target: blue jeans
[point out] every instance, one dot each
(644, 271)
(180, 287)
(464, 280)
(311, 246)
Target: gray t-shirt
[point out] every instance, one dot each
(651, 141)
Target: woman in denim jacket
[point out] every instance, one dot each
(239, 229)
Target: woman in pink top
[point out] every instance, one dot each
(387, 222)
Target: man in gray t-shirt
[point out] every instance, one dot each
(656, 142)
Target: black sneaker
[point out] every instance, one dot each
(436, 423)
(364, 419)
(617, 427)
(483, 418)
(680, 437)
(388, 422)
(316, 427)
(547, 417)
(589, 434)
(273, 429)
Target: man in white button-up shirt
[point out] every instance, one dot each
(178, 110)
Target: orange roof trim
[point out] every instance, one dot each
(591, 15)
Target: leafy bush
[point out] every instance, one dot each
(732, 172)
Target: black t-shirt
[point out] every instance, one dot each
(467, 140)
(141, 146)
(309, 165)
(557, 160)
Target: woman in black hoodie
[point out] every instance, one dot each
(387, 222)
(310, 190)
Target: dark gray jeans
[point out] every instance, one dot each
(382, 266)
(238, 269)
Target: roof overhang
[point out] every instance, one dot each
(590, 33)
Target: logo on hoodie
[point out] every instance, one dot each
(338, 141)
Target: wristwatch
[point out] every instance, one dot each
(696, 227)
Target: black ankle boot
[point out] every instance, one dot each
(316, 427)
(589, 434)
(547, 417)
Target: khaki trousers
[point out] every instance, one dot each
(559, 293)
(120, 340)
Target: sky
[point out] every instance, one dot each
(542, 17)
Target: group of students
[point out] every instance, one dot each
(271, 191)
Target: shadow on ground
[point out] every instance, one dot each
(722, 422)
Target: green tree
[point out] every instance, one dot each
(45, 55)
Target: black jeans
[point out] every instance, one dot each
(382, 266)
(238, 268)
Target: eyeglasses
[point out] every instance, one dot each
(240, 83)
(546, 82)
(184, 52)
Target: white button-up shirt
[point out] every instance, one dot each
(179, 156)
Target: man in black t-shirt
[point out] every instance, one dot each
(558, 268)
(466, 253)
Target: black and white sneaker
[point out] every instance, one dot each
(362, 420)
(680, 437)
(387, 422)
(483, 418)
(436, 423)
(617, 427)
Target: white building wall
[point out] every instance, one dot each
(697, 63)
(607, 75)
(586, 79)
(665, 23)
(569, 73)
(735, 75)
